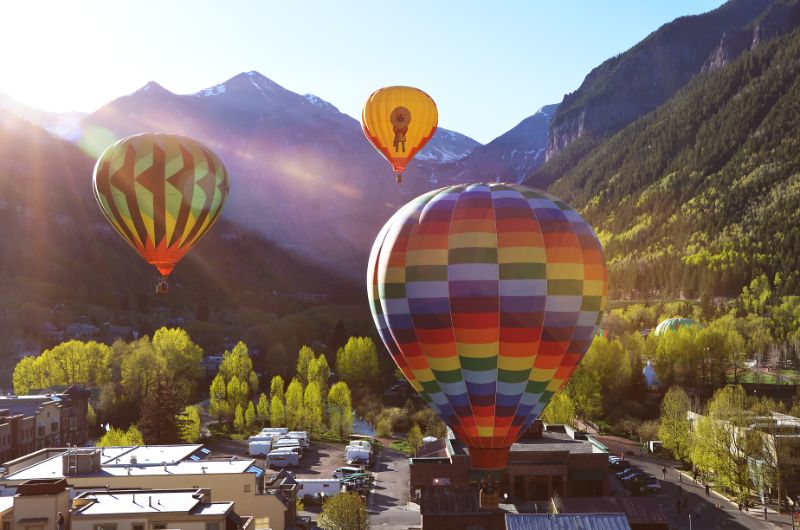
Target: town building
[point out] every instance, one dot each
(643, 513)
(187, 509)
(40, 504)
(780, 454)
(555, 459)
(32, 422)
(272, 502)
(541, 521)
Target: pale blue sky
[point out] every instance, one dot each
(487, 64)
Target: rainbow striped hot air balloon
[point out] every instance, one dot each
(487, 297)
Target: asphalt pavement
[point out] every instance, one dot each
(712, 512)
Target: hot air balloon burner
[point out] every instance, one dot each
(162, 286)
(489, 493)
(400, 118)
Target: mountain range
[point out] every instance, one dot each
(700, 195)
(677, 150)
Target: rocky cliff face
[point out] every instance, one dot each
(638, 81)
(732, 44)
(779, 18)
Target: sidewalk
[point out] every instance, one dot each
(756, 511)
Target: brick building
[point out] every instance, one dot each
(545, 461)
(28, 423)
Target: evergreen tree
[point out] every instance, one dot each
(158, 421)
(238, 419)
(276, 387)
(250, 416)
(262, 410)
(340, 409)
(218, 402)
(277, 412)
(294, 405)
(313, 408)
(304, 358)
(189, 424)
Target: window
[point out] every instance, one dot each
(212, 526)
(105, 526)
(137, 526)
(159, 526)
(73, 422)
(54, 427)
(6, 525)
(247, 488)
(41, 431)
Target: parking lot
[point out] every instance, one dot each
(319, 460)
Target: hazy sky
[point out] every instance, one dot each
(487, 64)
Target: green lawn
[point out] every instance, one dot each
(767, 378)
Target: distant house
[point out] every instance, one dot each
(24, 347)
(78, 330)
(32, 422)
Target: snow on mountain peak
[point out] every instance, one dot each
(212, 91)
(319, 102)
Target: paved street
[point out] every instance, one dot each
(388, 505)
(708, 512)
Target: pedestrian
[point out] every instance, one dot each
(708, 490)
(694, 475)
(664, 472)
(680, 477)
(60, 521)
(765, 512)
(740, 506)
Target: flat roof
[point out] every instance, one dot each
(147, 454)
(555, 441)
(560, 521)
(53, 468)
(148, 501)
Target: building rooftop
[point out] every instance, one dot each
(149, 465)
(26, 405)
(531, 521)
(637, 509)
(148, 454)
(555, 441)
(123, 502)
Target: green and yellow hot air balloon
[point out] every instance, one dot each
(162, 193)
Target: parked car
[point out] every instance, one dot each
(631, 481)
(648, 484)
(627, 471)
(346, 471)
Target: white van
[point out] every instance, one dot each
(346, 471)
(275, 430)
(298, 435)
(313, 487)
(259, 447)
(281, 459)
(288, 443)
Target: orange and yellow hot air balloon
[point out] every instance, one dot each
(399, 121)
(162, 193)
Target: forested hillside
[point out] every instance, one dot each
(701, 195)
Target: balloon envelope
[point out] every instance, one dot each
(161, 192)
(399, 121)
(674, 324)
(487, 297)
